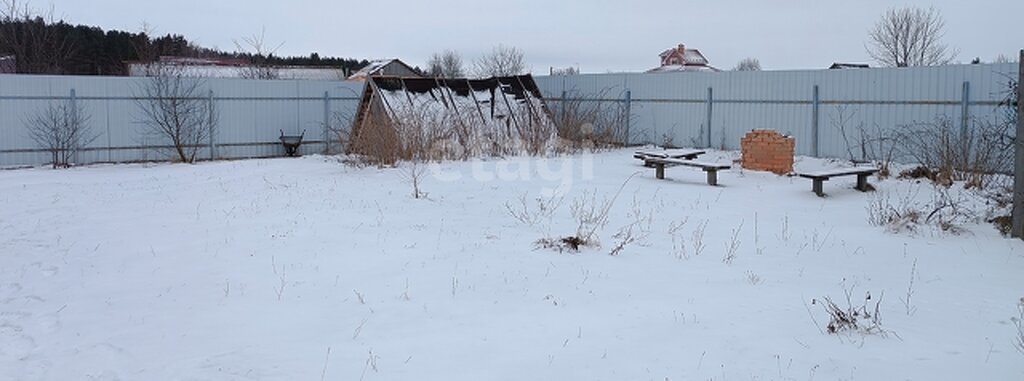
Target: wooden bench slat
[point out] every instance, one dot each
(668, 153)
(838, 172)
(690, 163)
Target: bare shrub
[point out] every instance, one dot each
(591, 215)
(62, 129)
(945, 211)
(864, 145)
(538, 215)
(535, 216)
(675, 230)
(733, 245)
(591, 122)
(864, 318)
(895, 216)
(948, 211)
(177, 108)
(698, 238)
(637, 230)
(340, 125)
(413, 172)
(536, 134)
(956, 154)
(907, 304)
(1002, 223)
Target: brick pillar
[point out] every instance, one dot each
(767, 150)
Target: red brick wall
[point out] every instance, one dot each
(767, 150)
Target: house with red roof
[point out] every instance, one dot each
(680, 58)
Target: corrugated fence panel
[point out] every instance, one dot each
(250, 116)
(855, 106)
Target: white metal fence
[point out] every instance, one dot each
(820, 108)
(251, 116)
(815, 106)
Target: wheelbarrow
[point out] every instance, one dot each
(291, 143)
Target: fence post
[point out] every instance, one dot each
(73, 98)
(561, 103)
(327, 123)
(213, 129)
(815, 131)
(629, 113)
(1017, 230)
(710, 102)
(965, 111)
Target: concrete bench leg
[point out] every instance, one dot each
(712, 176)
(816, 186)
(862, 182)
(659, 171)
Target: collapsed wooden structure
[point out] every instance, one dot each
(400, 117)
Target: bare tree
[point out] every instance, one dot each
(910, 36)
(260, 53)
(144, 49)
(503, 61)
(62, 129)
(447, 64)
(24, 33)
(177, 108)
(748, 64)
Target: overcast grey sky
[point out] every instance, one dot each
(596, 35)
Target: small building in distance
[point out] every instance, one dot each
(841, 65)
(233, 68)
(680, 58)
(391, 67)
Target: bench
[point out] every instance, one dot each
(819, 178)
(687, 154)
(659, 165)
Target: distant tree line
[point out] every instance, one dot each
(43, 45)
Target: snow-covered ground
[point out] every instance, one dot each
(306, 269)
